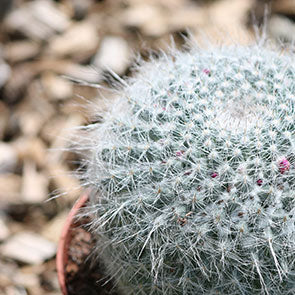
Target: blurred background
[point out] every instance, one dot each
(46, 48)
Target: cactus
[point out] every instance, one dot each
(192, 175)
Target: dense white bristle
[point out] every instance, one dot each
(193, 179)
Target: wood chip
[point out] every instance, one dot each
(226, 23)
(187, 17)
(37, 19)
(4, 230)
(5, 7)
(114, 54)
(10, 185)
(30, 123)
(84, 74)
(51, 128)
(148, 18)
(7, 272)
(34, 110)
(4, 118)
(31, 148)
(283, 6)
(79, 8)
(48, 12)
(14, 290)
(5, 280)
(140, 14)
(21, 50)
(21, 76)
(23, 21)
(28, 247)
(81, 40)
(34, 184)
(281, 28)
(52, 230)
(8, 158)
(56, 88)
(5, 73)
(28, 280)
(80, 73)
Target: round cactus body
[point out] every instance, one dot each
(192, 172)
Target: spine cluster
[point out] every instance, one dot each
(193, 178)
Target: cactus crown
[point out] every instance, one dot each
(192, 172)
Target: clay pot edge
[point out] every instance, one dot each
(62, 250)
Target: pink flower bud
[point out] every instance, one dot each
(179, 153)
(214, 174)
(284, 165)
(206, 71)
(259, 182)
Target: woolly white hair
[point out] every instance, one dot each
(192, 174)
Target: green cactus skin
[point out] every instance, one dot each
(192, 175)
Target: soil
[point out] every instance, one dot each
(82, 276)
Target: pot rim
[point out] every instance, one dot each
(62, 250)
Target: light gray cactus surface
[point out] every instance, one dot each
(192, 175)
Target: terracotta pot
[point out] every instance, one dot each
(63, 246)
